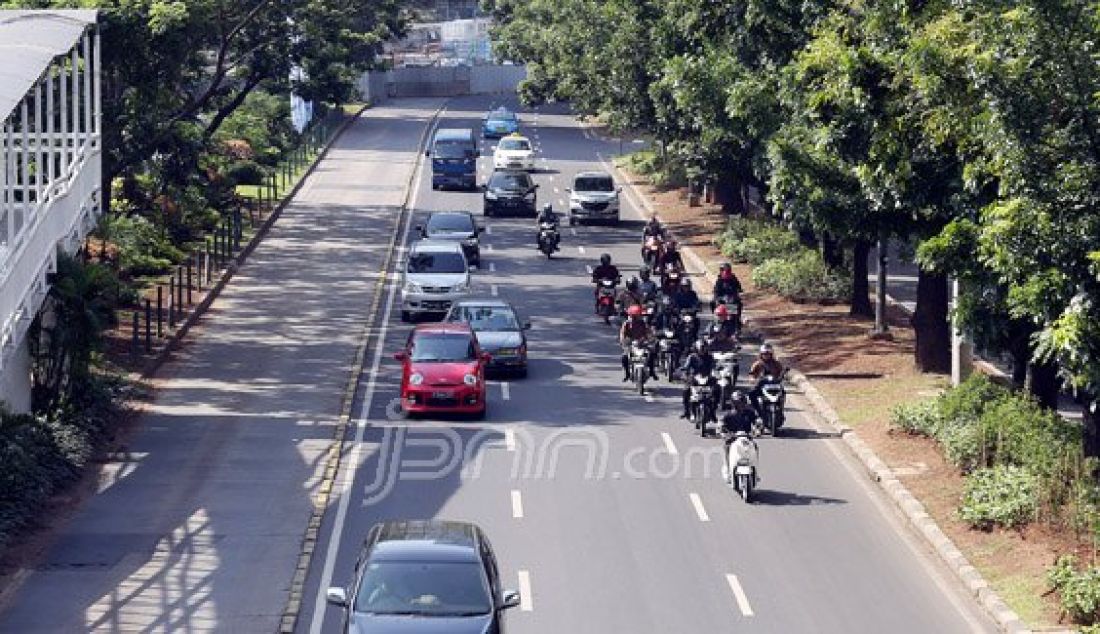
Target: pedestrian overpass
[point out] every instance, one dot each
(50, 167)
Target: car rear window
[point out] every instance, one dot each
(443, 347)
(450, 222)
(487, 317)
(515, 144)
(507, 180)
(502, 115)
(594, 184)
(438, 262)
(423, 588)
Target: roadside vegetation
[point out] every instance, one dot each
(196, 115)
(963, 129)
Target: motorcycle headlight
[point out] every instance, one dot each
(416, 378)
(490, 195)
(470, 379)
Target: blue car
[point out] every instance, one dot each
(500, 122)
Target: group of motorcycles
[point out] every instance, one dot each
(674, 331)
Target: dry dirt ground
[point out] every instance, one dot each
(864, 379)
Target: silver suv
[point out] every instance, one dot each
(436, 275)
(593, 196)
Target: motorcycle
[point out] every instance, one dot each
(668, 351)
(639, 365)
(548, 238)
(733, 304)
(605, 299)
(727, 369)
(670, 279)
(651, 251)
(743, 459)
(687, 328)
(772, 399)
(701, 409)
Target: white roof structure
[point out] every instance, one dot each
(29, 41)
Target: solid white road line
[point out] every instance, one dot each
(739, 594)
(669, 445)
(506, 390)
(510, 438)
(526, 601)
(581, 249)
(517, 505)
(349, 469)
(697, 502)
(492, 267)
(494, 290)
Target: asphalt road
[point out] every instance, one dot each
(604, 508)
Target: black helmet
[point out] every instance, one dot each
(632, 284)
(548, 208)
(725, 266)
(643, 273)
(738, 398)
(605, 259)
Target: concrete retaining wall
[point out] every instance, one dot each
(377, 86)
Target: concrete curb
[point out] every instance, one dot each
(878, 471)
(175, 339)
(325, 488)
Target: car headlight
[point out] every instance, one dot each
(530, 196)
(416, 378)
(470, 379)
(461, 286)
(490, 195)
(412, 287)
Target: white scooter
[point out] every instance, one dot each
(743, 458)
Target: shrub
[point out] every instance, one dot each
(963, 444)
(142, 248)
(245, 173)
(921, 418)
(1078, 590)
(768, 242)
(803, 277)
(969, 399)
(1003, 495)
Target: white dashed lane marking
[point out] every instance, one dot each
(517, 504)
(697, 502)
(739, 595)
(669, 445)
(505, 390)
(526, 601)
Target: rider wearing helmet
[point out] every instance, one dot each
(685, 298)
(723, 331)
(765, 365)
(629, 296)
(737, 421)
(653, 228)
(699, 361)
(635, 329)
(605, 271)
(547, 214)
(727, 284)
(647, 288)
(670, 255)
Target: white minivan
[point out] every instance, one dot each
(436, 274)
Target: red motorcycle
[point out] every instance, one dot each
(605, 298)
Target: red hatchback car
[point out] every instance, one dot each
(443, 371)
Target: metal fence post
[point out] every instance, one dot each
(171, 301)
(148, 326)
(134, 339)
(190, 260)
(179, 294)
(160, 311)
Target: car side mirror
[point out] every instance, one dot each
(509, 599)
(400, 356)
(339, 596)
(526, 325)
(420, 229)
(569, 190)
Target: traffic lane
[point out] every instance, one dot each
(885, 559)
(178, 541)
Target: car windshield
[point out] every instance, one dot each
(453, 149)
(501, 116)
(438, 262)
(593, 184)
(443, 347)
(514, 182)
(515, 144)
(450, 222)
(423, 589)
(490, 318)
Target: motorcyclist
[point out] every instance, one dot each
(635, 329)
(723, 331)
(754, 457)
(670, 255)
(765, 365)
(653, 228)
(686, 300)
(737, 421)
(665, 317)
(605, 271)
(629, 296)
(698, 362)
(547, 214)
(647, 288)
(727, 285)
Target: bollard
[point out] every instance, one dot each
(160, 311)
(171, 300)
(134, 340)
(190, 259)
(148, 326)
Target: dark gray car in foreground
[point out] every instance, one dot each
(424, 576)
(499, 330)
